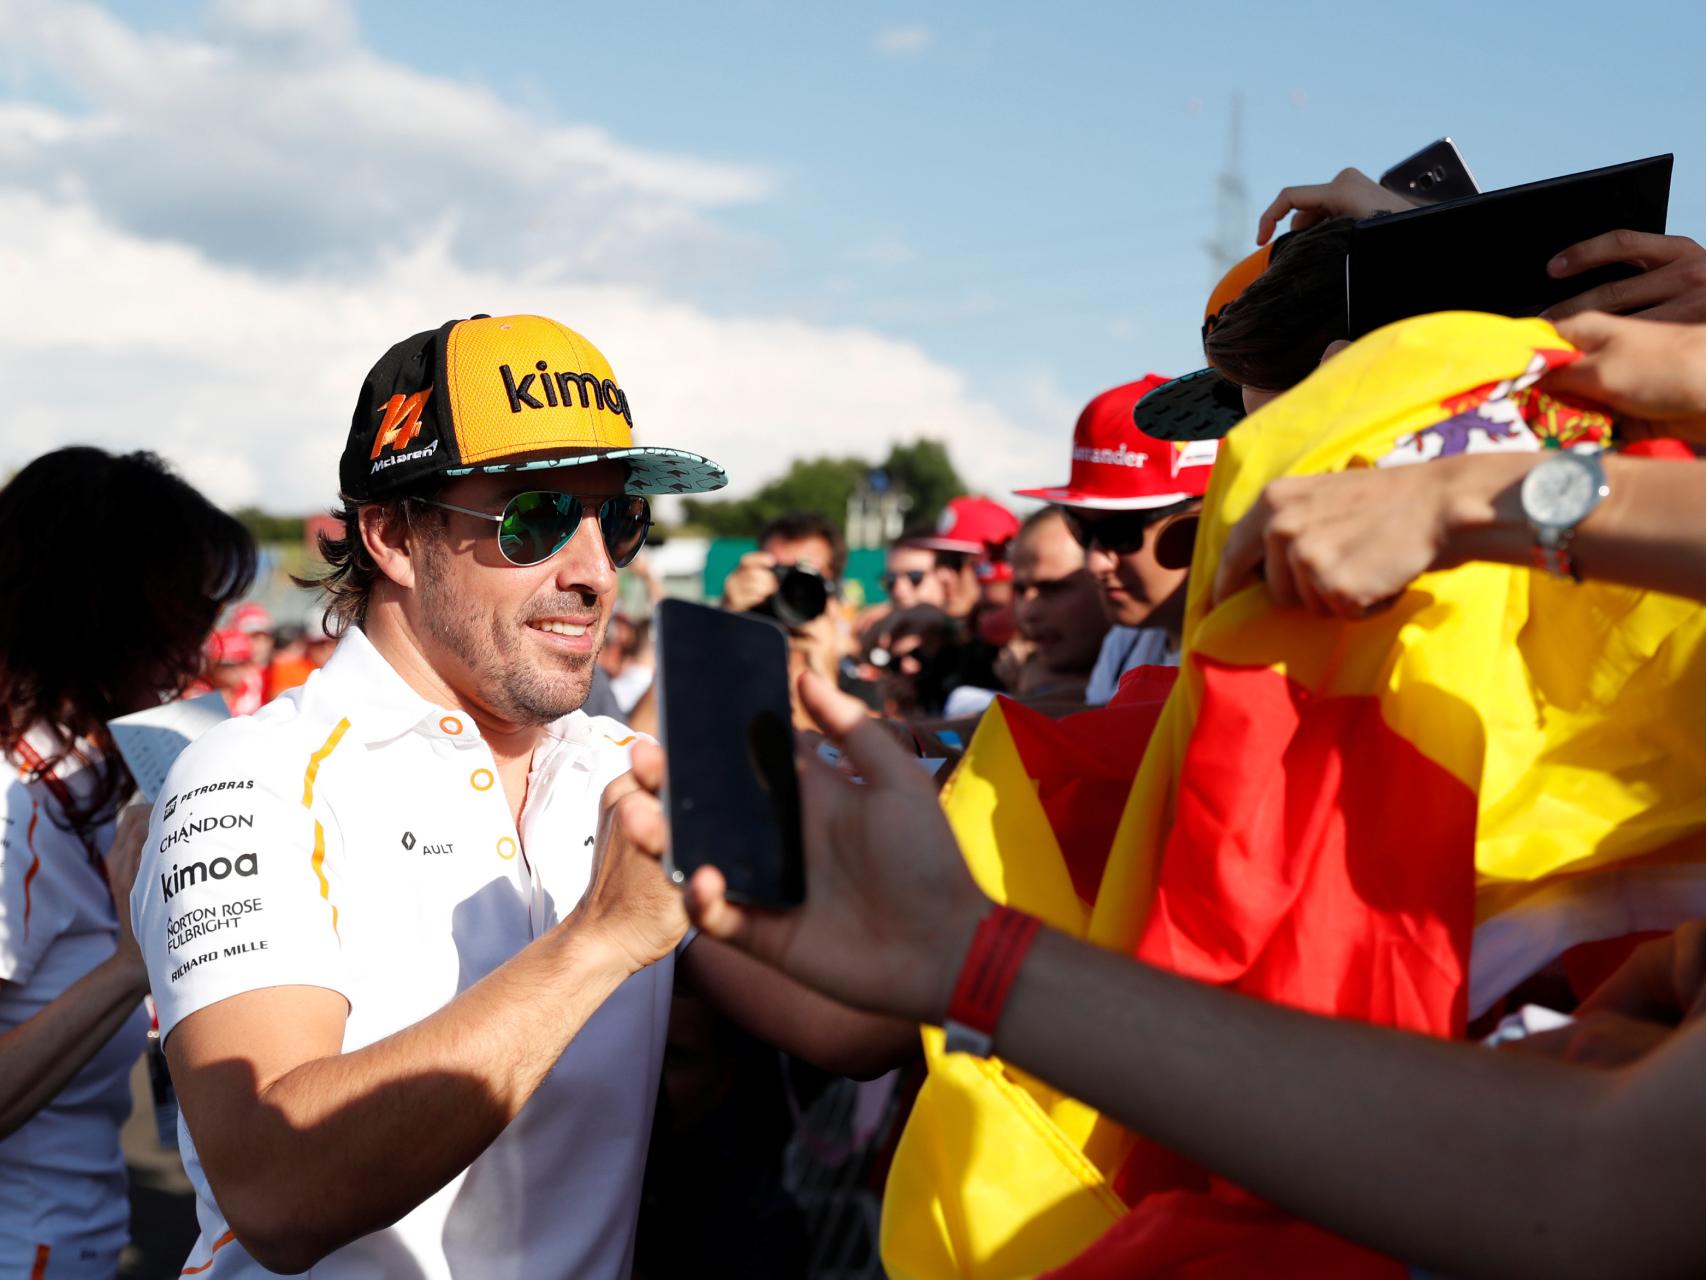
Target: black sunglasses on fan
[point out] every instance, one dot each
(1118, 532)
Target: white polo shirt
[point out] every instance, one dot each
(351, 835)
(63, 1202)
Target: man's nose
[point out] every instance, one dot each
(584, 563)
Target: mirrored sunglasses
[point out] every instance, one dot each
(534, 526)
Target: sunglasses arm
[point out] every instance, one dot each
(467, 511)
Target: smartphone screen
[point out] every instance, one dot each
(731, 791)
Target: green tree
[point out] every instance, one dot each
(924, 470)
(270, 528)
(824, 485)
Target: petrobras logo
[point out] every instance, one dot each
(240, 784)
(562, 390)
(179, 878)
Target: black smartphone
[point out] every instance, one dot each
(1489, 252)
(1436, 172)
(731, 790)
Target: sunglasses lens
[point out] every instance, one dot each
(1120, 534)
(624, 522)
(536, 525)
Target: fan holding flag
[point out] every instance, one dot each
(1574, 811)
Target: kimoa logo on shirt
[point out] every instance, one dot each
(179, 878)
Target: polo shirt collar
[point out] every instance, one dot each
(360, 685)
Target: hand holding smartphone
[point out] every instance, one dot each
(725, 718)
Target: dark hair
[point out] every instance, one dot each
(350, 572)
(1272, 335)
(796, 526)
(114, 570)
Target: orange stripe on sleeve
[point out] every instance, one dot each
(218, 1244)
(39, 1270)
(315, 760)
(319, 859)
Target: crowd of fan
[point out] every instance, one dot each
(1053, 610)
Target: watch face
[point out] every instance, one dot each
(1560, 491)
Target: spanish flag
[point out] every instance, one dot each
(1393, 820)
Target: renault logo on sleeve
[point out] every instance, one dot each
(408, 839)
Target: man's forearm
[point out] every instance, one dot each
(38, 1057)
(1650, 532)
(1446, 1155)
(354, 1141)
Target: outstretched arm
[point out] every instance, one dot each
(1444, 1154)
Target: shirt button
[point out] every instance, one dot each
(451, 725)
(506, 848)
(482, 779)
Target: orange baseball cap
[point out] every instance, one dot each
(1204, 405)
(501, 393)
(1117, 467)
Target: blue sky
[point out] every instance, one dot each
(999, 209)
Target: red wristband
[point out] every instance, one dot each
(992, 962)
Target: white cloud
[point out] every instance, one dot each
(903, 42)
(206, 257)
(246, 381)
(278, 140)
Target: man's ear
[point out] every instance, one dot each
(386, 534)
(1333, 348)
(1176, 541)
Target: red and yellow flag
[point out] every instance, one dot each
(1393, 820)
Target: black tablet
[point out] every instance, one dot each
(1489, 252)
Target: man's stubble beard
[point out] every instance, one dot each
(519, 690)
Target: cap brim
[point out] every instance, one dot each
(947, 544)
(1199, 406)
(1068, 497)
(652, 469)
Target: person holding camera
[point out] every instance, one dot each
(794, 578)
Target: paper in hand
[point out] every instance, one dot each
(150, 740)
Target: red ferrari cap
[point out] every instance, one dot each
(1117, 467)
(971, 525)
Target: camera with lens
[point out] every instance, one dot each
(801, 596)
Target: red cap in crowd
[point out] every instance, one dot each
(971, 525)
(229, 645)
(1116, 467)
(250, 618)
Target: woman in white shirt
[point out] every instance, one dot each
(113, 571)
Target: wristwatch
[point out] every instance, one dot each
(1557, 495)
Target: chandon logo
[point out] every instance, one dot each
(246, 864)
(223, 822)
